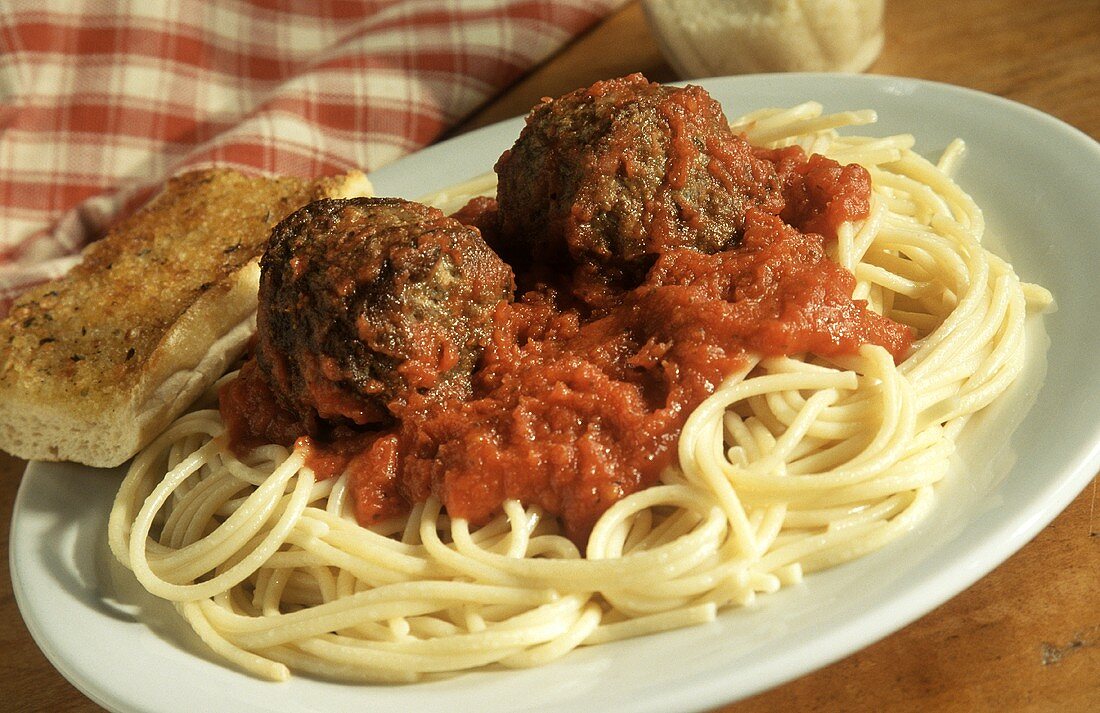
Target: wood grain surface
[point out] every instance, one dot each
(1025, 637)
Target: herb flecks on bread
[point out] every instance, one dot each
(96, 363)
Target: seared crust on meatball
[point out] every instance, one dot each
(625, 169)
(368, 303)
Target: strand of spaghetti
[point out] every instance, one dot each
(634, 603)
(777, 115)
(735, 591)
(1000, 365)
(894, 428)
(910, 267)
(452, 560)
(196, 558)
(522, 527)
(926, 202)
(864, 237)
(797, 429)
(275, 537)
(666, 560)
(454, 197)
(246, 518)
(323, 664)
(828, 455)
(924, 173)
(394, 553)
(797, 518)
(208, 423)
(711, 411)
(667, 529)
(554, 649)
(373, 664)
(191, 514)
(372, 567)
(269, 590)
(843, 418)
(950, 157)
(806, 548)
(883, 487)
(880, 383)
(386, 602)
(652, 623)
(777, 128)
(140, 479)
(256, 664)
(866, 515)
(867, 151)
(641, 525)
(358, 549)
(309, 551)
(531, 627)
(662, 595)
(161, 491)
(877, 538)
(935, 255)
(261, 461)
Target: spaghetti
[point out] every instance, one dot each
(790, 466)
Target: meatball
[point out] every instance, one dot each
(625, 169)
(367, 304)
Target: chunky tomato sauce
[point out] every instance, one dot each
(580, 397)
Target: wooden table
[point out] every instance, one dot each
(1027, 636)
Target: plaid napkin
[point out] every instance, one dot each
(101, 101)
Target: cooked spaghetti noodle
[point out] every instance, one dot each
(791, 466)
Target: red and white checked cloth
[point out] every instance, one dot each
(102, 100)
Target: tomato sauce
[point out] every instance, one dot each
(579, 398)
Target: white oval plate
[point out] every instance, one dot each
(1020, 463)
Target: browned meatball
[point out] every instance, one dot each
(625, 169)
(366, 302)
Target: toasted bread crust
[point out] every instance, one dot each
(94, 364)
